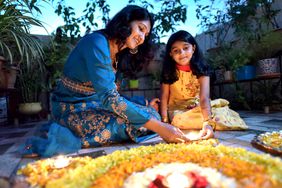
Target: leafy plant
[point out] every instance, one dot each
(31, 82)
(267, 46)
(170, 14)
(229, 58)
(56, 56)
(249, 19)
(267, 92)
(16, 43)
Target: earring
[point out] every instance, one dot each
(134, 51)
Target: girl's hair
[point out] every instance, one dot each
(198, 65)
(119, 28)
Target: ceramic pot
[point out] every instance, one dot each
(30, 108)
(267, 67)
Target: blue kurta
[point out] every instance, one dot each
(87, 102)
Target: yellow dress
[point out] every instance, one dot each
(184, 110)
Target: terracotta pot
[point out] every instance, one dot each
(11, 76)
(30, 108)
(2, 73)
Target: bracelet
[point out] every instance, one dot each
(210, 117)
(210, 123)
(165, 119)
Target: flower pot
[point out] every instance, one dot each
(228, 75)
(11, 76)
(2, 72)
(268, 67)
(266, 109)
(133, 84)
(246, 72)
(30, 108)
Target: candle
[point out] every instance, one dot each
(193, 135)
(61, 162)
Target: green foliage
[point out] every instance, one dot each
(16, 43)
(171, 14)
(249, 18)
(266, 92)
(229, 58)
(56, 56)
(267, 46)
(30, 82)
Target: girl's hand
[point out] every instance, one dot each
(155, 103)
(206, 132)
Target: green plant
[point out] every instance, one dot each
(267, 46)
(229, 58)
(249, 19)
(31, 82)
(266, 93)
(171, 13)
(16, 43)
(56, 55)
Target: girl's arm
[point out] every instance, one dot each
(205, 97)
(207, 129)
(164, 101)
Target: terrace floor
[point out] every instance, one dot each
(11, 137)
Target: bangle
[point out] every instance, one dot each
(165, 119)
(210, 123)
(210, 117)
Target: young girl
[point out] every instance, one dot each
(185, 90)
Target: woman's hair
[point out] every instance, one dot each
(198, 65)
(119, 28)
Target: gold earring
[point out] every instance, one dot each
(134, 51)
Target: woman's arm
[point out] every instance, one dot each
(164, 101)
(207, 130)
(166, 131)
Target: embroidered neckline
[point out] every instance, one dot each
(185, 68)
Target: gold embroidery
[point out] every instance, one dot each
(106, 134)
(120, 120)
(97, 138)
(83, 88)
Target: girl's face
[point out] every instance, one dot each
(139, 30)
(182, 52)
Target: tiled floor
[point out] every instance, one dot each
(11, 138)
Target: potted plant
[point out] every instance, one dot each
(17, 45)
(31, 83)
(264, 51)
(229, 59)
(266, 93)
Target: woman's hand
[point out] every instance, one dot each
(167, 132)
(155, 103)
(172, 134)
(206, 132)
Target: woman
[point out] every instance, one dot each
(87, 102)
(185, 90)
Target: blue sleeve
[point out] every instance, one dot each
(97, 57)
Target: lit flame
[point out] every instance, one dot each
(61, 162)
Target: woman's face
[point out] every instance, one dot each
(182, 52)
(139, 30)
